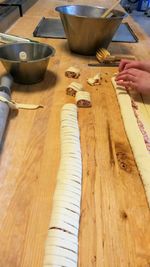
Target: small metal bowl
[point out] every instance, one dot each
(26, 62)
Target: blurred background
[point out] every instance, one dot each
(139, 11)
(138, 5)
(11, 10)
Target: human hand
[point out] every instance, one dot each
(134, 79)
(126, 64)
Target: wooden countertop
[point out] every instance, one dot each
(114, 226)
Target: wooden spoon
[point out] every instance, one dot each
(107, 12)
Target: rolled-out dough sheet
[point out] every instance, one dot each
(136, 139)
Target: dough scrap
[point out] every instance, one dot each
(96, 80)
(13, 105)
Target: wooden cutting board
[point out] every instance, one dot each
(114, 224)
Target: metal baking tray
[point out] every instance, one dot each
(53, 28)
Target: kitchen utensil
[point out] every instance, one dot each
(85, 30)
(103, 55)
(5, 91)
(10, 38)
(118, 57)
(33, 68)
(108, 11)
(103, 64)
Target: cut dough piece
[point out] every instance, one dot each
(72, 175)
(69, 119)
(69, 107)
(69, 175)
(69, 182)
(74, 157)
(65, 173)
(68, 254)
(68, 141)
(83, 99)
(62, 235)
(71, 141)
(69, 135)
(72, 72)
(56, 241)
(72, 121)
(56, 259)
(71, 188)
(72, 182)
(67, 199)
(66, 212)
(64, 226)
(96, 80)
(68, 153)
(68, 194)
(64, 204)
(69, 130)
(67, 216)
(69, 122)
(56, 233)
(71, 150)
(74, 164)
(65, 114)
(73, 88)
(68, 190)
(63, 219)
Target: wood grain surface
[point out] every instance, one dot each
(114, 224)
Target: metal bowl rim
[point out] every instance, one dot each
(98, 7)
(29, 61)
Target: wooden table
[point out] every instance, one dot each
(114, 225)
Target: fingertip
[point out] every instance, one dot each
(120, 82)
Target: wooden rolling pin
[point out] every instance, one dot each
(5, 92)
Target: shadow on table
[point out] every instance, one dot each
(48, 83)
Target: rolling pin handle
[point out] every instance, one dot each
(5, 91)
(6, 81)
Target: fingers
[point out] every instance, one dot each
(123, 63)
(128, 78)
(136, 79)
(127, 84)
(131, 65)
(128, 75)
(128, 64)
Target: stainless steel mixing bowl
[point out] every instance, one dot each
(86, 31)
(32, 66)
